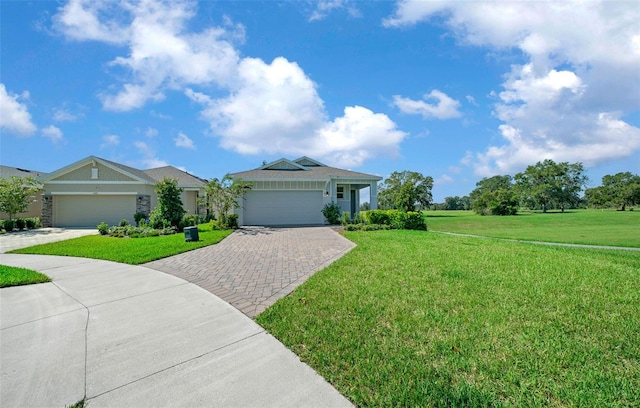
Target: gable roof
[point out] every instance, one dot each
(8, 172)
(283, 164)
(184, 179)
(150, 176)
(313, 171)
(135, 174)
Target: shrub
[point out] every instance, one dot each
(332, 212)
(189, 220)
(168, 230)
(103, 228)
(139, 216)
(378, 217)
(20, 223)
(395, 219)
(232, 221)
(346, 218)
(124, 222)
(9, 225)
(415, 221)
(31, 223)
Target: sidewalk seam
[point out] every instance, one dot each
(86, 337)
(262, 331)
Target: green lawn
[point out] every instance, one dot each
(594, 227)
(14, 276)
(411, 318)
(132, 251)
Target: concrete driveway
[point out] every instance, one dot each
(255, 266)
(27, 238)
(125, 335)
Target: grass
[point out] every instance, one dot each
(411, 318)
(592, 227)
(132, 251)
(14, 276)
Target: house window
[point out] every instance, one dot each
(94, 173)
(340, 194)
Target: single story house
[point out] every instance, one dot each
(93, 190)
(34, 209)
(293, 192)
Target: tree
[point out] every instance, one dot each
(365, 206)
(405, 191)
(619, 190)
(223, 195)
(495, 196)
(17, 193)
(547, 183)
(169, 209)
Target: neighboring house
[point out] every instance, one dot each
(94, 190)
(35, 207)
(293, 192)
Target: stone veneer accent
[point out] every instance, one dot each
(143, 204)
(47, 211)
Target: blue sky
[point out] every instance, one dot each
(454, 90)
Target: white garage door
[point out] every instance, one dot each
(91, 210)
(283, 208)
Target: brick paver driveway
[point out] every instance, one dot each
(255, 266)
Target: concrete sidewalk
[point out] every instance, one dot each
(27, 238)
(126, 335)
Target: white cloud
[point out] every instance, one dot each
(149, 159)
(53, 133)
(14, 116)
(445, 108)
(162, 54)
(151, 132)
(443, 180)
(65, 115)
(325, 7)
(471, 100)
(270, 108)
(81, 20)
(360, 134)
(183, 141)
(568, 100)
(455, 169)
(110, 141)
(276, 109)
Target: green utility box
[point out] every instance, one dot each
(191, 234)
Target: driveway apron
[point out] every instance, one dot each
(255, 266)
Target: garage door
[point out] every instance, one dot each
(90, 210)
(283, 208)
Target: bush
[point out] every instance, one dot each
(366, 227)
(189, 220)
(103, 228)
(20, 223)
(232, 221)
(415, 221)
(346, 218)
(395, 219)
(124, 222)
(139, 216)
(32, 223)
(332, 212)
(378, 217)
(9, 225)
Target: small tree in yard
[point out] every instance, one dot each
(16, 194)
(169, 206)
(223, 195)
